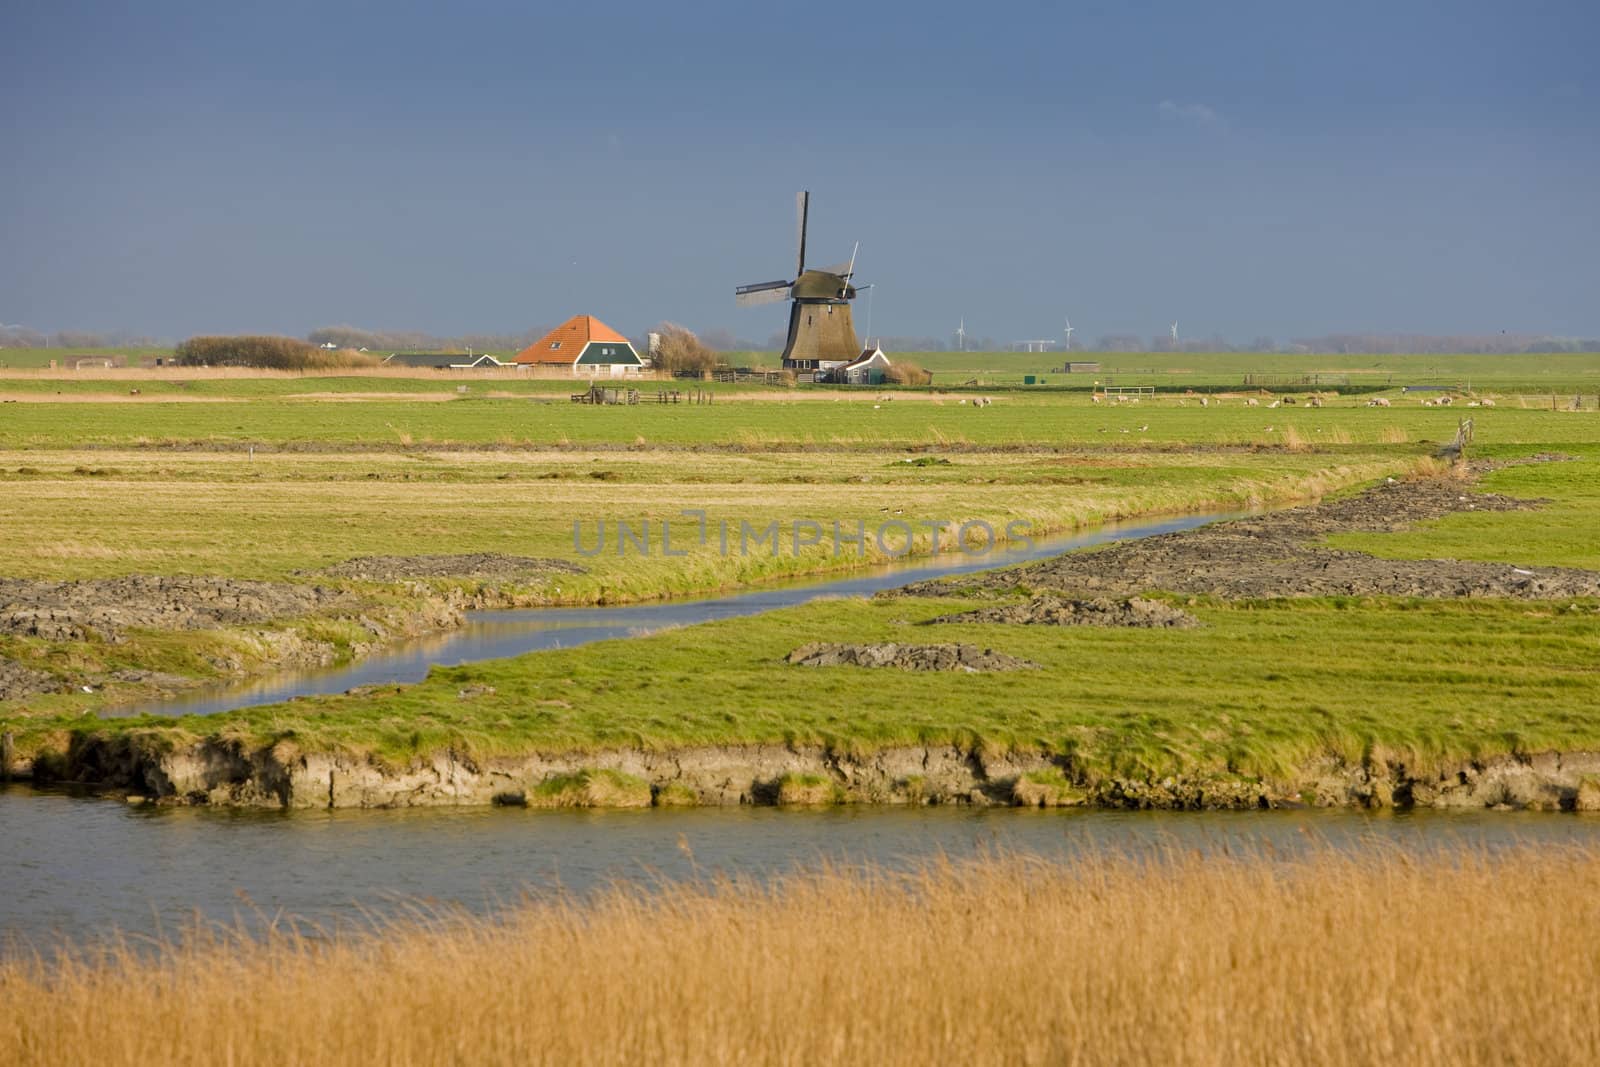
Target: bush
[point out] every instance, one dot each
(682, 352)
(276, 353)
(905, 372)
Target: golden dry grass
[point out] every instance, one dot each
(1327, 959)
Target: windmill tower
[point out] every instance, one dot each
(961, 335)
(821, 333)
(1068, 332)
(1174, 335)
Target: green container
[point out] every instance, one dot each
(1027, 379)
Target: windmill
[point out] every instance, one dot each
(821, 332)
(1174, 333)
(1068, 332)
(961, 335)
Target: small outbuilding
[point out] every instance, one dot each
(869, 368)
(441, 360)
(585, 346)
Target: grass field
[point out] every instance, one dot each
(1318, 958)
(832, 421)
(99, 489)
(74, 514)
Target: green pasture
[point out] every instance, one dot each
(822, 420)
(1532, 373)
(1261, 688)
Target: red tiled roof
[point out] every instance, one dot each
(566, 342)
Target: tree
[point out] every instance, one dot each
(682, 352)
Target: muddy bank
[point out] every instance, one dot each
(479, 565)
(1274, 555)
(225, 772)
(953, 657)
(105, 607)
(292, 640)
(1136, 612)
(17, 681)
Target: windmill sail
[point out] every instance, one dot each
(802, 206)
(761, 293)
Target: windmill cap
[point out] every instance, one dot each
(822, 285)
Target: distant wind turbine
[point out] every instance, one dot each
(961, 334)
(1068, 331)
(1174, 333)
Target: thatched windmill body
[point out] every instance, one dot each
(821, 333)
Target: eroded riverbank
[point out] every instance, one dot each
(226, 772)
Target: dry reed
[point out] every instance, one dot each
(1328, 958)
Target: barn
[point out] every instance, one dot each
(585, 346)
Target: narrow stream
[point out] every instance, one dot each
(498, 634)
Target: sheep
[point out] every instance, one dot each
(1378, 402)
(1273, 404)
(1486, 402)
(1251, 402)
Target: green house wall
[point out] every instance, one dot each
(603, 352)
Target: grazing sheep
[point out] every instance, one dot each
(1486, 402)
(1378, 402)
(1273, 404)
(1204, 402)
(1251, 402)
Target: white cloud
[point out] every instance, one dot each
(1193, 114)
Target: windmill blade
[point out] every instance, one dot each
(802, 207)
(767, 293)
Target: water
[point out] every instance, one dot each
(78, 866)
(497, 634)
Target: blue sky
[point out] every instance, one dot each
(1247, 168)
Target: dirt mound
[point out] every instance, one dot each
(70, 611)
(969, 658)
(1101, 611)
(1273, 556)
(17, 681)
(472, 565)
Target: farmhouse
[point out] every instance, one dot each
(585, 346)
(441, 360)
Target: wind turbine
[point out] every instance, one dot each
(961, 334)
(1068, 332)
(1174, 333)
